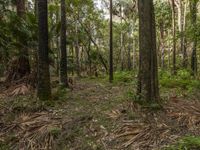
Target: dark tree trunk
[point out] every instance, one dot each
(43, 89)
(20, 8)
(111, 45)
(63, 51)
(129, 50)
(148, 72)
(58, 47)
(77, 51)
(193, 12)
(174, 36)
(36, 7)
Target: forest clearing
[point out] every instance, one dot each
(99, 75)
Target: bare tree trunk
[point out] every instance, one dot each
(121, 40)
(44, 88)
(183, 8)
(111, 44)
(134, 53)
(77, 51)
(162, 45)
(148, 72)
(129, 50)
(174, 36)
(193, 13)
(63, 48)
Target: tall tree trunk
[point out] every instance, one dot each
(57, 46)
(183, 8)
(129, 50)
(63, 50)
(43, 89)
(121, 40)
(134, 53)
(162, 45)
(36, 7)
(20, 8)
(111, 44)
(77, 51)
(148, 71)
(193, 13)
(174, 36)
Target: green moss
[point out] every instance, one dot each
(186, 143)
(4, 147)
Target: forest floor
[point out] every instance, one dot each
(96, 115)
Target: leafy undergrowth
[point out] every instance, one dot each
(186, 143)
(96, 115)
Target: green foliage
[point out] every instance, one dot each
(124, 76)
(187, 143)
(4, 146)
(182, 80)
(55, 131)
(60, 93)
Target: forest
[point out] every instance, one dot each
(99, 75)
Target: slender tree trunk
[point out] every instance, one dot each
(129, 49)
(111, 44)
(183, 39)
(36, 7)
(174, 36)
(63, 48)
(20, 8)
(148, 71)
(162, 45)
(43, 89)
(77, 50)
(73, 62)
(121, 40)
(57, 47)
(193, 13)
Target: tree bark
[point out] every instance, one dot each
(43, 89)
(121, 40)
(174, 36)
(20, 8)
(193, 14)
(148, 71)
(63, 48)
(77, 53)
(111, 45)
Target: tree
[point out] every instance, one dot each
(111, 44)
(43, 89)
(193, 12)
(20, 66)
(20, 7)
(63, 52)
(148, 78)
(174, 34)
